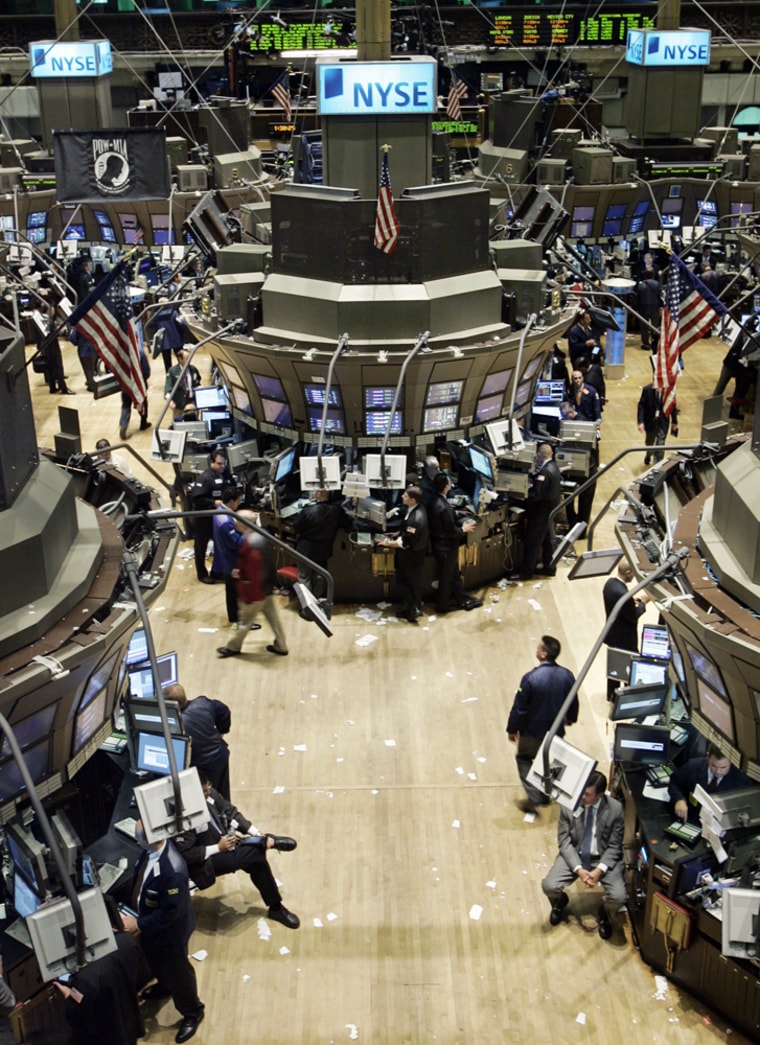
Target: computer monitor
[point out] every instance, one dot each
(498, 433)
(25, 899)
(570, 770)
(27, 856)
(145, 716)
(219, 427)
(141, 679)
(690, 871)
(645, 745)
(68, 840)
(239, 454)
(648, 672)
(137, 650)
(481, 463)
(655, 642)
(310, 474)
(156, 803)
(391, 477)
(153, 757)
(168, 445)
(210, 397)
(740, 923)
(284, 465)
(638, 702)
(595, 564)
(549, 392)
(744, 853)
(52, 931)
(619, 664)
(737, 808)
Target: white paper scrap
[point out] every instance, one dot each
(529, 818)
(366, 640)
(661, 984)
(199, 955)
(318, 923)
(365, 613)
(299, 747)
(475, 912)
(459, 770)
(390, 743)
(383, 605)
(353, 1031)
(469, 700)
(246, 978)
(262, 927)
(581, 1018)
(491, 884)
(279, 790)
(208, 631)
(331, 917)
(472, 776)
(449, 675)
(456, 823)
(535, 604)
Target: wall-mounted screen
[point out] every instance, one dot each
(481, 463)
(496, 382)
(705, 668)
(716, 709)
(707, 213)
(441, 392)
(738, 209)
(522, 395)
(436, 418)
(240, 399)
(640, 211)
(91, 713)
(531, 368)
(315, 395)
(613, 219)
(275, 412)
(271, 387)
(376, 422)
(334, 421)
(488, 408)
(582, 222)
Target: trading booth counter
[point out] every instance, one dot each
(675, 934)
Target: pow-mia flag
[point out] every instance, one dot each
(96, 166)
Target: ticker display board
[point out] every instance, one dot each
(560, 29)
(299, 36)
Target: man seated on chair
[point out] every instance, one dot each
(228, 843)
(591, 849)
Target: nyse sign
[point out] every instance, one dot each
(676, 47)
(376, 88)
(77, 59)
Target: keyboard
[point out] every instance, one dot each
(127, 826)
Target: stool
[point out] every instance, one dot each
(287, 577)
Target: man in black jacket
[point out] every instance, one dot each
(648, 303)
(653, 422)
(541, 694)
(205, 495)
(412, 543)
(230, 843)
(714, 773)
(624, 632)
(316, 526)
(544, 496)
(446, 534)
(206, 721)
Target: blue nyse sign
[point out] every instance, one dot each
(668, 47)
(85, 58)
(376, 88)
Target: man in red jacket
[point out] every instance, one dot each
(255, 576)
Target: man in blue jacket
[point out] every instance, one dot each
(165, 922)
(540, 696)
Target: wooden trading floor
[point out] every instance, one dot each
(416, 878)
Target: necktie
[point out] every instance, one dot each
(588, 831)
(712, 784)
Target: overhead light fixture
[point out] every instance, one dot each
(382, 356)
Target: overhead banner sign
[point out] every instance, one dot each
(75, 60)
(671, 47)
(376, 88)
(97, 166)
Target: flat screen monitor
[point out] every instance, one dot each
(439, 418)
(276, 412)
(640, 211)
(441, 392)
(740, 923)
(387, 475)
(284, 465)
(380, 397)
(36, 219)
(74, 232)
(145, 716)
(270, 387)
(691, 870)
(707, 213)
(522, 395)
(496, 382)
(499, 433)
(570, 769)
(152, 756)
(638, 702)
(157, 806)
(619, 663)
(489, 407)
(648, 672)
(27, 855)
(582, 222)
(334, 420)
(376, 422)
(705, 668)
(168, 445)
(53, 933)
(744, 853)
(137, 650)
(595, 564)
(716, 709)
(613, 219)
(220, 427)
(315, 395)
(310, 473)
(549, 393)
(25, 899)
(210, 398)
(677, 662)
(645, 745)
(241, 399)
(141, 679)
(481, 463)
(655, 642)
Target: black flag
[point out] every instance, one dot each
(97, 166)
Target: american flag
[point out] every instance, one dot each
(690, 311)
(457, 92)
(105, 316)
(281, 92)
(386, 221)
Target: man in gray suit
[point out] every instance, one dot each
(591, 849)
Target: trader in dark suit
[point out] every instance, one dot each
(165, 922)
(540, 696)
(231, 843)
(716, 775)
(623, 633)
(316, 526)
(653, 423)
(412, 543)
(206, 721)
(590, 842)
(543, 496)
(446, 534)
